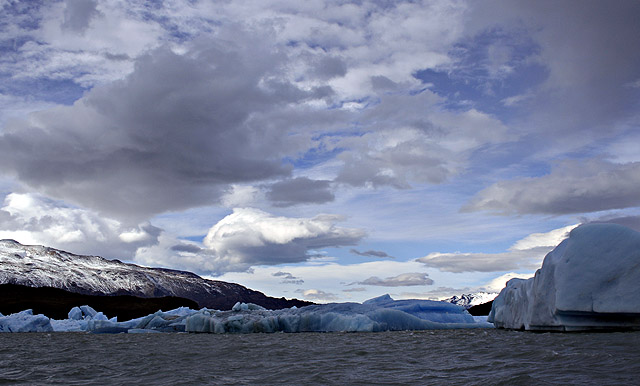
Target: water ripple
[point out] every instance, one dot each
(458, 357)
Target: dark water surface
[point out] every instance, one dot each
(453, 357)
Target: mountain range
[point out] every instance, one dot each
(474, 299)
(40, 266)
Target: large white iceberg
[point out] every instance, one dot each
(590, 281)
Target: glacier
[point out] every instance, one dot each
(378, 314)
(590, 281)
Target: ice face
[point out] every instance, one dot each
(75, 314)
(590, 281)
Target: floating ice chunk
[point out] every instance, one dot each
(99, 316)
(88, 312)
(75, 313)
(181, 311)
(25, 321)
(246, 307)
(69, 325)
(590, 281)
(435, 311)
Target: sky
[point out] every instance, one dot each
(320, 150)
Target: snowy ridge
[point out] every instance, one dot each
(39, 266)
(469, 300)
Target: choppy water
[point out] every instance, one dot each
(457, 357)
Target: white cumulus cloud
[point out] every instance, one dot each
(33, 219)
(251, 237)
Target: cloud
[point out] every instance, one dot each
(410, 139)
(190, 248)
(141, 146)
(356, 289)
(485, 262)
(251, 237)
(288, 278)
(371, 253)
(301, 190)
(630, 221)
(78, 14)
(33, 219)
(402, 280)
(547, 239)
(317, 295)
(526, 253)
(571, 187)
(240, 196)
(497, 284)
(586, 50)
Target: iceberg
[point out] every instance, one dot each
(378, 314)
(590, 281)
(25, 321)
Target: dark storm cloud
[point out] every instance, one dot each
(572, 187)
(171, 135)
(371, 253)
(300, 190)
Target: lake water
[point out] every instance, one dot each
(444, 357)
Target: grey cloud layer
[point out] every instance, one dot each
(371, 253)
(587, 48)
(526, 254)
(402, 280)
(572, 187)
(486, 262)
(170, 136)
(300, 190)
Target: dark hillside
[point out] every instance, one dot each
(56, 303)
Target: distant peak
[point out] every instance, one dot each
(380, 299)
(9, 241)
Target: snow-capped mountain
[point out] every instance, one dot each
(39, 266)
(470, 300)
